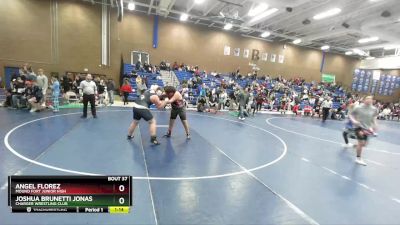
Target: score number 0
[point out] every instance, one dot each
(121, 200)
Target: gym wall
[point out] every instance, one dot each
(26, 36)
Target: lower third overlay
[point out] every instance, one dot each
(70, 194)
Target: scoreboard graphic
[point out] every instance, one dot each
(70, 194)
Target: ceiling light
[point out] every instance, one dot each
(228, 26)
(326, 14)
(184, 17)
(198, 1)
(131, 6)
(257, 10)
(359, 52)
(265, 34)
(349, 53)
(366, 40)
(297, 41)
(325, 47)
(370, 58)
(263, 15)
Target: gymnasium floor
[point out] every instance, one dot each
(270, 169)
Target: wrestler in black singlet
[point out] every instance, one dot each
(141, 108)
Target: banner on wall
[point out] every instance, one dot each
(397, 85)
(236, 52)
(392, 85)
(227, 50)
(367, 81)
(264, 56)
(273, 58)
(328, 78)
(246, 53)
(361, 80)
(383, 86)
(281, 58)
(376, 75)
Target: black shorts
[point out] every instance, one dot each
(181, 112)
(142, 113)
(361, 136)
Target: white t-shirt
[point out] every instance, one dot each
(326, 104)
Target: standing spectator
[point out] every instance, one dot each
(222, 97)
(242, 99)
(126, 89)
(55, 93)
(31, 76)
(140, 85)
(76, 83)
(101, 89)
(66, 86)
(110, 90)
(326, 107)
(259, 101)
(89, 90)
(43, 83)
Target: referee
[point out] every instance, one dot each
(89, 90)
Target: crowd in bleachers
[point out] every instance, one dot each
(212, 92)
(205, 91)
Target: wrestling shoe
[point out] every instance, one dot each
(360, 161)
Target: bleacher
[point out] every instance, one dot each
(151, 79)
(183, 75)
(212, 82)
(2, 95)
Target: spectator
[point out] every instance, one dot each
(7, 102)
(34, 95)
(101, 90)
(110, 90)
(55, 93)
(141, 86)
(76, 83)
(43, 83)
(18, 91)
(31, 76)
(126, 89)
(222, 97)
(66, 83)
(138, 65)
(243, 98)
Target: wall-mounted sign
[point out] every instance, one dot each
(246, 53)
(281, 58)
(273, 58)
(227, 50)
(328, 78)
(255, 55)
(236, 52)
(264, 56)
(376, 75)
